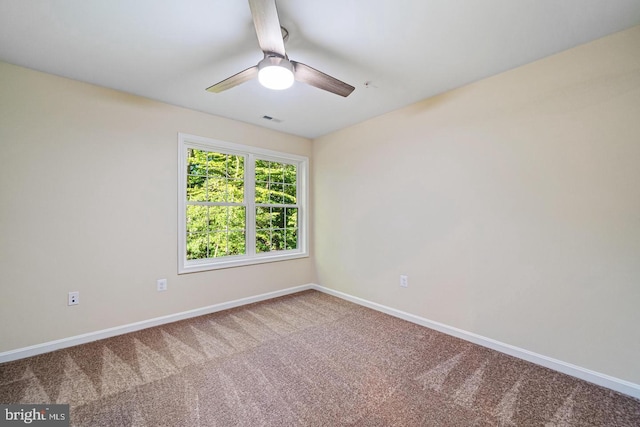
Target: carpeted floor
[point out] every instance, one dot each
(306, 359)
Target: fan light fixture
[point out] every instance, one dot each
(275, 73)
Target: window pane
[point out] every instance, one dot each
(290, 194)
(217, 244)
(216, 190)
(235, 190)
(235, 167)
(263, 218)
(196, 189)
(196, 162)
(292, 238)
(217, 164)
(276, 193)
(218, 218)
(262, 192)
(236, 243)
(276, 172)
(277, 240)
(196, 245)
(292, 218)
(290, 174)
(262, 170)
(236, 218)
(277, 218)
(197, 220)
(263, 241)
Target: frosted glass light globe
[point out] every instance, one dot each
(275, 73)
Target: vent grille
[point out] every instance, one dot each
(272, 119)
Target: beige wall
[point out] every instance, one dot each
(88, 193)
(513, 204)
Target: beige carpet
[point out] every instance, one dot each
(305, 359)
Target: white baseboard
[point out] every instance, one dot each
(616, 384)
(612, 383)
(33, 350)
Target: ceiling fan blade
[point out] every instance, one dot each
(235, 80)
(265, 19)
(305, 74)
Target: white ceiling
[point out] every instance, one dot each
(171, 50)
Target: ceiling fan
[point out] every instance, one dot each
(275, 70)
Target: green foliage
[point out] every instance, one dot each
(215, 231)
(276, 229)
(220, 230)
(275, 183)
(215, 177)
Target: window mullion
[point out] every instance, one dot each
(250, 198)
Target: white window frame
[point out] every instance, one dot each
(186, 141)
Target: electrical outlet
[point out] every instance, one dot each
(404, 281)
(74, 298)
(161, 285)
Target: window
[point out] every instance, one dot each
(239, 205)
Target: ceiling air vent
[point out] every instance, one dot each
(272, 119)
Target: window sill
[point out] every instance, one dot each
(230, 262)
